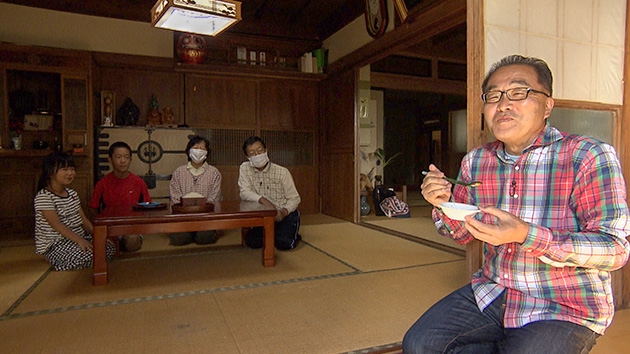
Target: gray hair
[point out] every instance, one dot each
(540, 67)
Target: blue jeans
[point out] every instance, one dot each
(455, 325)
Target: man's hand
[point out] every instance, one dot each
(435, 189)
(508, 228)
(282, 213)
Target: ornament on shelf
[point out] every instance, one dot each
(107, 108)
(128, 113)
(154, 117)
(191, 48)
(168, 117)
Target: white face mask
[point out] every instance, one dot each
(197, 155)
(259, 160)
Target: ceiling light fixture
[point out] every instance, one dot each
(206, 17)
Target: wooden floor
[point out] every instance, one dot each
(345, 289)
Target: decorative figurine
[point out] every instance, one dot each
(128, 113)
(107, 108)
(191, 48)
(168, 118)
(154, 117)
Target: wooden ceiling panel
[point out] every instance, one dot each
(312, 20)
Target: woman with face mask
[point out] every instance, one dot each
(197, 176)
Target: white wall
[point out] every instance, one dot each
(32, 26)
(581, 40)
(353, 36)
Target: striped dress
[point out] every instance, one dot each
(67, 209)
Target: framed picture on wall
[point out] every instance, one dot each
(404, 6)
(108, 108)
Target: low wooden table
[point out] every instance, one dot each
(113, 222)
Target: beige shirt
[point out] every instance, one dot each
(274, 183)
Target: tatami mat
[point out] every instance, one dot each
(368, 249)
(176, 274)
(421, 227)
(20, 268)
(321, 316)
(345, 289)
(315, 219)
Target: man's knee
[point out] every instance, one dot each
(416, 340)
(131, 243)
(412, 343)
(205, 237)
(180, 238)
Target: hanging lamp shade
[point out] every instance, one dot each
(206, 17)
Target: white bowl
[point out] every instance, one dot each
(458, 211)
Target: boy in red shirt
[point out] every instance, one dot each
(120, 188)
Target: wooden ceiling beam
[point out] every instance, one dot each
(341, 16)
(420, 84)
(297, 15)
(437, 19)
(260, 11)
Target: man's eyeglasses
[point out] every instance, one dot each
(513, 94)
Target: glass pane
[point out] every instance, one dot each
(459, 138)
(598, 124)
(75, 104)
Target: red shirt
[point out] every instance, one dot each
(114, 191)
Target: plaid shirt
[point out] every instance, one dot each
(571, 191)
(207, 184)
(274, 183)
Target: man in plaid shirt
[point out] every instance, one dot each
(554, 221)
(262, 181)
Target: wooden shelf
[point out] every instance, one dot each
(23, 153)
(248, 70)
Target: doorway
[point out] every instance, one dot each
(419, 88)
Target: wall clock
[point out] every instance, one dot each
(376, 17)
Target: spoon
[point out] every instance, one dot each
(461, 183)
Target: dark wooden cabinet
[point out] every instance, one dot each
(52, 87)
(288, 104)
(226, 102)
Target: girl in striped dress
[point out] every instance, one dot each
(62, 231)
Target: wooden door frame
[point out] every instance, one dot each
(475, 67)
(437, 18)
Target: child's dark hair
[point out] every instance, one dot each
(196, 140)
(52, 163)
(250, 141)
(116, 145)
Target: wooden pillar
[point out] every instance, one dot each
(475, 72)
(621, 283)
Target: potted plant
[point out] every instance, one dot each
(16, 127)
(377, 159)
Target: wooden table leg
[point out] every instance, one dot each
(99, 264)
(269, 244)
(244, 232)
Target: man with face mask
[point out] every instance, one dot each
(199, 177)
(262, 181)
